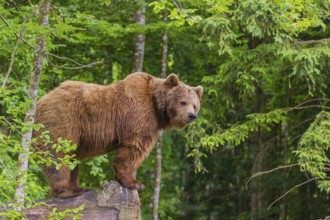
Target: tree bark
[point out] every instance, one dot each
(139, 39)
(164, 52)
(113, 202)
(160, 140)
(285, 128)
(155, 202)
(253, 186)
(39, 53)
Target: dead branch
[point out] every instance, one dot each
(268, 171)
(311, 41)
(72, 68)
(296, 186)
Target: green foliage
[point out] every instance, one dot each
(266, 64)
(97, 170)
(46, 157)
(260, 63)
(13, 214)
(238, 133)
(73, 213)
(235, 135)
(179, 16)
(312, 154)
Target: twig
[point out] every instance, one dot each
(314, 100)
(296, 186)
(72, 68)
(268, 171)
(5, 120)
(179, 6)
(12, 58)
(17, 37)
(311, 41)
(64, 58)
(9, 171)
(310, 106)
(4, 21)
(300, 106)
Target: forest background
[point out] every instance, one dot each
(260, 146)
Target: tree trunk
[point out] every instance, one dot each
(155, 202)
(113, 202)
(139, 39)
(285, 128)
(257, 148)
(254, 188)
(160, 140)
(254, 42)
(164, 52)
(39, 53)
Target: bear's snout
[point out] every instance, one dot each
(191, 116)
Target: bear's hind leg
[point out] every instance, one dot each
(74, 181)
(59, 181)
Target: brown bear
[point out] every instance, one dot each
(126, 116)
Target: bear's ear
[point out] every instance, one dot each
(172, 80)
(199, 91)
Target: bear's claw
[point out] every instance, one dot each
(135, 185)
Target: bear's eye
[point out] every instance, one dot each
(183, 103)
(195, 107)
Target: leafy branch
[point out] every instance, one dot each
(19, 38)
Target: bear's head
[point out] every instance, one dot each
(177, 103)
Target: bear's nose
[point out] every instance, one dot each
(192, 116)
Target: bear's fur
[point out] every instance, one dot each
(126, 116)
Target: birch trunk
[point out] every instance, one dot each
(139, 40)
(160, 140)
(32, 95)
(155, 202)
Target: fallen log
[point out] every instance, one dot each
(112, 202)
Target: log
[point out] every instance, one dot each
(112, 202)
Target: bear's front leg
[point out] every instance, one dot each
(126, 162)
